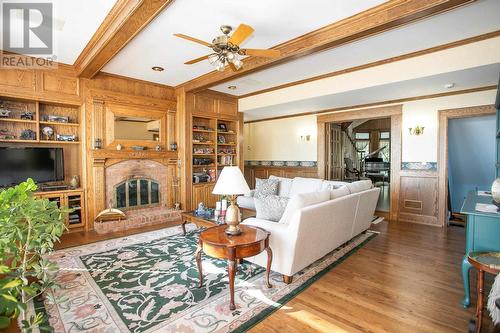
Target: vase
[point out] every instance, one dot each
(75, 182)
(495, 190)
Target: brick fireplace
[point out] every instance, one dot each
(140, 188)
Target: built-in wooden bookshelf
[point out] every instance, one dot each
(23, 121)
(214, 135)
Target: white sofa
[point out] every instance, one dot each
(314, 224)
(289, 187)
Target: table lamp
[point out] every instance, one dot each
(231, 183)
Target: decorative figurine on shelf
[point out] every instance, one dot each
(4, 113)
(201, 209)
(158, 147)
(173, 146)
(6, 135)
(66, 137)
(56, 119)
(27, 115)
(48, 132)
(74, 182)
(119, 147)
(28, 134)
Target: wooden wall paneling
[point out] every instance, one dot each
(98, 188)
(51, 83)
(418, 201)
(204, 104)
(17, 81)
(263, 172)
(171, 131)
(183, 117)
(444, 116)
(396, 133)
(129, 86)
(227, 108)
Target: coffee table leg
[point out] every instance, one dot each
(269, 262)
(231, 270)
(197, 255)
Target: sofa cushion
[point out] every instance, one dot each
(339, 192)
(329, 185)
(302, 200)
(305, 185)
(284, 186)
(270, 208)
(265, 187)
(359, 186)
(244, 201)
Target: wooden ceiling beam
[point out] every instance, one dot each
(381, 18)
(126, 19)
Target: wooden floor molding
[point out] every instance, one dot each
(407, 279)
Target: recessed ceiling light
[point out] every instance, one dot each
(449, 85)
(158, 68)
(231, 87)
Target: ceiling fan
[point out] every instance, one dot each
(227, 49)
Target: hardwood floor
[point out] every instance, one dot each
(407, 279)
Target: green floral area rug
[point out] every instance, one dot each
(149, 283)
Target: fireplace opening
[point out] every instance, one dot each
(137, 192)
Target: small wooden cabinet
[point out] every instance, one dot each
(211, 104)
(203, 193)
(74, 199)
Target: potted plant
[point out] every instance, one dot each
(29, 227)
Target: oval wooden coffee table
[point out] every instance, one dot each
(216, 243)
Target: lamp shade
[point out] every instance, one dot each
(231, 182)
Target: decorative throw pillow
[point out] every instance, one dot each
(265, 187)
(270, 208)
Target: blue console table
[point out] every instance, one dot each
(482, 234)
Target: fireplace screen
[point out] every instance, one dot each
(137, 192)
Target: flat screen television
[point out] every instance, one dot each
(41, 164)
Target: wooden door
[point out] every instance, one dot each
(334, 163)
(198, 195)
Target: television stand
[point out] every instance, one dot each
(48, 188)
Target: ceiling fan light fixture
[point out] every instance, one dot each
(213, 59)
(220, 66)
(237, 63)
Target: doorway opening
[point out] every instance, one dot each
(361, 149)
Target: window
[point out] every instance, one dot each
(362, 144)
(385, 141)
(137, 192)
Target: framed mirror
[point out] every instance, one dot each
(132, 127)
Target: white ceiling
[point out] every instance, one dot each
(75, 22)
(463, 79)
(274, 22)
(468, 21)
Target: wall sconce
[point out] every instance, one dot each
(305, 138)
(418, 130)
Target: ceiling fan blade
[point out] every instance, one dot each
(242, 32)
(194, 61)
(270, 53)
(192, 39)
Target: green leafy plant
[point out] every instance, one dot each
(29, 227)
